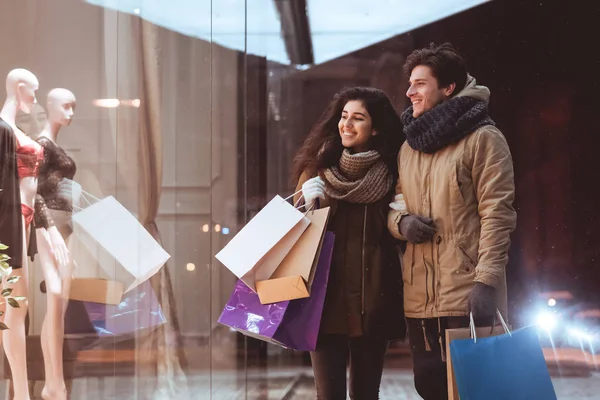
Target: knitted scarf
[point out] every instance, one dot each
(445, 124)
(361, 178)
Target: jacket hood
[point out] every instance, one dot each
(472, 89)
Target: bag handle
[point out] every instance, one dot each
(296, 206)
(86, 196)
(292, 195)
(497, 313)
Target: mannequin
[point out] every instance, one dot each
(19, 173)
(55, 197)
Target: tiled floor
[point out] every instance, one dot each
(295, 383)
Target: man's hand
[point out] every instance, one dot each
(416, 229)
(482, 301)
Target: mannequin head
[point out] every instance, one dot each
(21, 86)
(61, 106)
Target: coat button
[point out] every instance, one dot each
(438, 240)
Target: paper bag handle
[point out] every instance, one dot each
(86, 196)
(473, 330)
(298, 202)
(292, 195)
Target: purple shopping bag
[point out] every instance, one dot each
(139, 310)
(292, 324)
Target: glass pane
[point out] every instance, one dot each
(186, 119)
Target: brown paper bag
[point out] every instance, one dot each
(97, 290)
(293, 277)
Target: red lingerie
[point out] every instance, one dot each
(29, 158)
(27, 214)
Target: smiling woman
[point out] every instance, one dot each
(348, 162)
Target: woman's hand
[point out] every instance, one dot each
(399, 204)
(312, 190)
(70, 191)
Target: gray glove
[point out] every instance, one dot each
(416, 229)
(482, 300)
(70, 191)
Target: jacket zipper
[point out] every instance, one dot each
(434, 283)
(362, 296)
(432, 255)
(426, 282)
(412, 264)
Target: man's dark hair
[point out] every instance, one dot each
(445, 63)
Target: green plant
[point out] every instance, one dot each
(6, 272)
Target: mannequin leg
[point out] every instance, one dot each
(60, 329)
(46, 263)
(14, 337)
(63, 303)
(52, 335)
(3, 311)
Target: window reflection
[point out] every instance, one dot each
(190, 114)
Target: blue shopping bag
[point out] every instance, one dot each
(505, 367)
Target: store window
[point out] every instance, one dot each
(179, 122)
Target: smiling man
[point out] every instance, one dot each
(454, 208)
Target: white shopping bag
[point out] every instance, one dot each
(120, 244)
(258, 249)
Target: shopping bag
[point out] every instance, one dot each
(96, 290)
(294, 276)
(505, 367)
(293, 324)
(464, 333)
(260, 246)
(122, 246)
(138, 311)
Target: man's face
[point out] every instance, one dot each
(424, 91)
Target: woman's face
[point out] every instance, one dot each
(33, 123)
(356, 127)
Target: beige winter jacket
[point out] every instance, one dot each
(467, 189)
